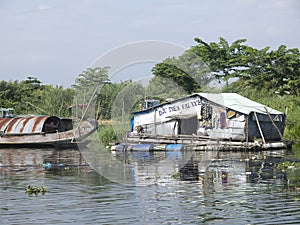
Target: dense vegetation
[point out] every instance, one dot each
(271, 77)
(32, 97)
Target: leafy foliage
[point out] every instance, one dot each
(106, 134)
(276, 70)
(56, 101)
(162, 88)
(90, 78)
(108, 97)
(126, 99)
(86, 88)
(31, 97)
(188, 71)
(177, 75)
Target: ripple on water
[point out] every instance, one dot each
(81, 196)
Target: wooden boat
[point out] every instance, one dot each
(44, 131)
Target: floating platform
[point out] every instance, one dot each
(148, 142)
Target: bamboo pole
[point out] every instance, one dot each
(259, 128)
(154, 124)
(247, 130)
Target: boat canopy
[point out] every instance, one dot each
(34, 125)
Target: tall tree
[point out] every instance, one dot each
(30, 97)
(188, 72)
(224, 61)
(85, 87)
(276, 70)
(55, 101)
(91, 77)
(177, 75)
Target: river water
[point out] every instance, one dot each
(194, 188)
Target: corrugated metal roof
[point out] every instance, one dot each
(238, 103)
(232, 101)
(4, 122)
(33, 124)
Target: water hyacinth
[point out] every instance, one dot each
(35, 190)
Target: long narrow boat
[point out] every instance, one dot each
(43, 131)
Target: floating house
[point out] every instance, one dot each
(209, 121)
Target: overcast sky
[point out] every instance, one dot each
(55, 40)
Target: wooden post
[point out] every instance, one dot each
(259, 128)
(247, 130)
(154, 111)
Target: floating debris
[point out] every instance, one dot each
(50, 166)
(35, 190)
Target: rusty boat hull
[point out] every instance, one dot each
(41, 131)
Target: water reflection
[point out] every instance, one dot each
(19, 165)
(212, 169)
(25, 157)
(179, 187)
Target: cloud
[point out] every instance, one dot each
(43, 7)
(59, 38)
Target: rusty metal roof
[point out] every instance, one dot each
(22, 125)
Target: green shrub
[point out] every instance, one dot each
(106, 134)
(110, 133)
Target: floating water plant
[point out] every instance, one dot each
(287, 165)
(35, 190)
(176, 175)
